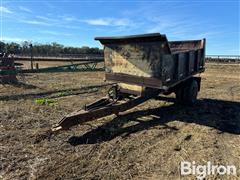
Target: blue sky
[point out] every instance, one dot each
(76, 23)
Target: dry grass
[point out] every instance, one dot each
(147, 142)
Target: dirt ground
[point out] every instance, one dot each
(147, 142)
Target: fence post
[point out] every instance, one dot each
(31, 49)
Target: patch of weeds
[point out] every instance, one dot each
(45, 101)
(65, 93)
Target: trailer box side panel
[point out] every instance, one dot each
(137, 55)
(192, 58)
(140, 59)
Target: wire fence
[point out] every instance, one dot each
(223, 58)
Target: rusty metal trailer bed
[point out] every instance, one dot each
(142, 67)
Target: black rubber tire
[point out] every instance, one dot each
(179, 95)
(190, 93)
(187, 94)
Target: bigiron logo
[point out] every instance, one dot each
(201, 171)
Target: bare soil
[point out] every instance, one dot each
(146, 142)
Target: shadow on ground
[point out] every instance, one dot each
(218, 114)
(21, 84)
(54, 93)
(25, 85)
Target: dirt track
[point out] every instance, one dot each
(147, 142)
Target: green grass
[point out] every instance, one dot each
(45, 101)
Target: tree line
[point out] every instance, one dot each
(53, 49)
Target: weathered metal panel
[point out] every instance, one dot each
(140, 59)
(181, 46)
(168, 68)
(137, 80)
(198, 59)
(201, 61)
(192, 58)
(182, 64)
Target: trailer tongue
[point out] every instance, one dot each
(101, 108)
(142, 67)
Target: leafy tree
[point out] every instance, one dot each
(52, 49)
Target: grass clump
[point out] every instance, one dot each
(45, 101)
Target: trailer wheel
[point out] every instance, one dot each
(191, 92)
(187, 94)
(179, 95)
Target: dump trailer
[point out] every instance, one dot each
(141, 67)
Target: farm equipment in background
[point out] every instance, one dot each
(142, 67)
(8, 70)
(12, 72)
(73, 67)
(77, 64)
